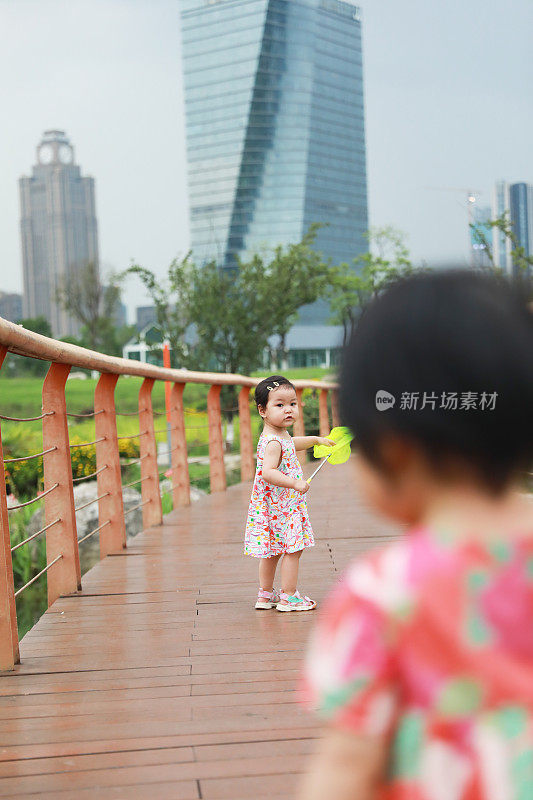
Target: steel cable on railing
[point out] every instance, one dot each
(146, 478)
(27, 458)
(133, 436)
(51, 564)
(34, 535)
(135, 413)
(91, 533)
(90, 414)
(27, 419)
(167, 452)
(139, 480)
(90, 502)
(86, 444)
(35, 499)
(91, 474)
(137, 460)
(134, 508)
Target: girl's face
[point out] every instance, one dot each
(282, 408)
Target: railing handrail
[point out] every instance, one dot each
(23, 342)
(63, 573)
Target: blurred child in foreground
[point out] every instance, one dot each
(422, 663)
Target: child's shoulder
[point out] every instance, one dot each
(267, 437)
(390, 576)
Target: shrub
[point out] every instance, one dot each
(129, 448)
(29, 559)
(311, 417)
(24, 477)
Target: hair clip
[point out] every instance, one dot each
(271, 388)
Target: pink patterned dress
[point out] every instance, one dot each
(278, 521)
(430, 641)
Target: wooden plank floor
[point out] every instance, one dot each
(160, 680)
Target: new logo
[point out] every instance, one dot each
(384, 400)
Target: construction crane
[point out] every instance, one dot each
(470, 194)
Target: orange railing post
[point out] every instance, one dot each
(64, 576)
(62, 553)
(109, 482)
(245, 431)
(181, 494)
(299, 426)
(152, 513)
(217, 472)
(335, 408)
(9, 641)
(323, 415)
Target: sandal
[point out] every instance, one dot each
(295, 602)
(266, 600)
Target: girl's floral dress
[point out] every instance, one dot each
(278, 521)
(430, 642)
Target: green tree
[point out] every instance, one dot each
(20, 365)
(522, 262)
(296, 276)
(94, 306)
(37, 325)
(172, 299)
(233, 312)
(352, 286)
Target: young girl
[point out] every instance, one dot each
(422, 664)
(278, 523)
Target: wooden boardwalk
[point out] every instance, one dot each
(160, 680)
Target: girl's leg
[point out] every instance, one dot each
(267, 572)
(289, 572)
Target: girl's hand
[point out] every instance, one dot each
(301, 486)
(322, 440)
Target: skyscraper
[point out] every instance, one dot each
(500, 206)
(58, 228)
(11, 306)
(517, 200)
(275, 126)
(481, 236)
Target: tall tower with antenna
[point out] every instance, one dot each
(58, 229)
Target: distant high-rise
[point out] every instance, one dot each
(275, 126)
(58, 227)
(481, 236)
(500, 206)
(145, 315)
(517, 200)
(11, 306)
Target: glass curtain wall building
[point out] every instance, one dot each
(515, 199)
(275, 127)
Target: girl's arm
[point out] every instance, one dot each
(304, 442)
(272, 474)
(347, 766)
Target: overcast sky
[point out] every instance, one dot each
(448, 89)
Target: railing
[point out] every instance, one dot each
(62, 554)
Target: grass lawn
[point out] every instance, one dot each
(21, 397)
(302, 373)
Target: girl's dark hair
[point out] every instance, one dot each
(263, 389)
(441, 333)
